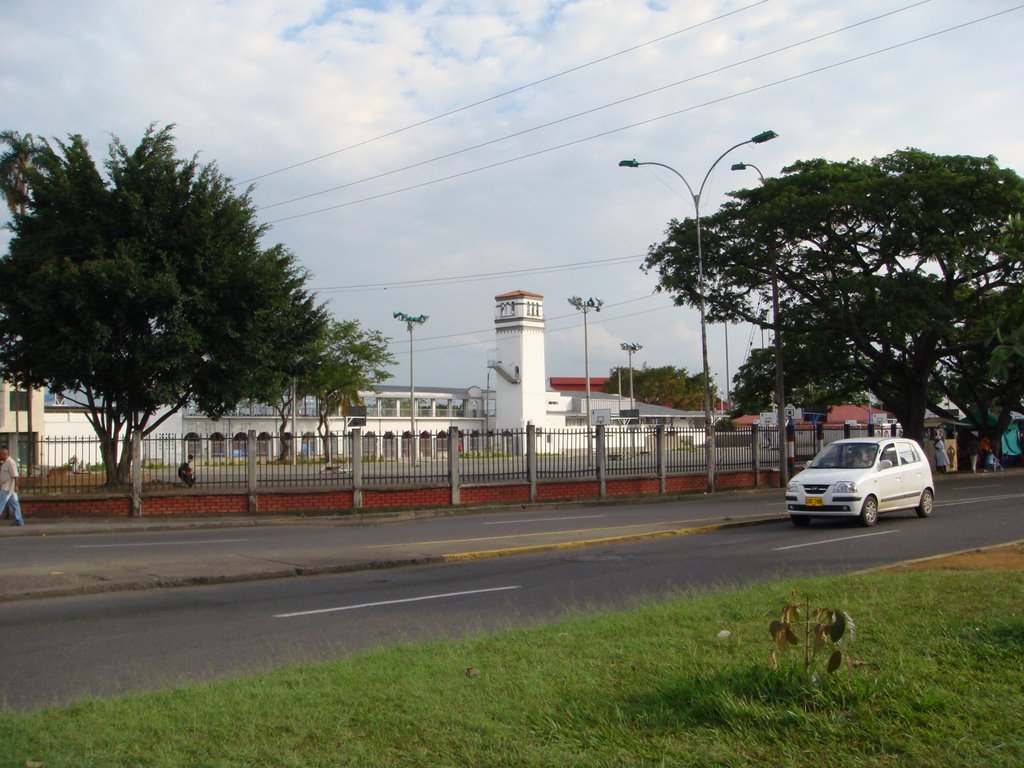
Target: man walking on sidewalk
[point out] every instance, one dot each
(9, 486)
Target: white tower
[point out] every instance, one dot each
(520, 392)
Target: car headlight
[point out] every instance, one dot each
(845, 486)
(793, 486)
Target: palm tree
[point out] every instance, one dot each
(14, 161)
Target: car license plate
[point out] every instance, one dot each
(812, 501)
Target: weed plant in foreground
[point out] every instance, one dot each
(686, 682)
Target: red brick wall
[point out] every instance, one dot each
(562, 490)
(323, 502)
(195, 504)
(72, 507)
(493, 494)
(327, 503)
(637, 486)
(406, 497)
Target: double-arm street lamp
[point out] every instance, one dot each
(780, 388)
(629, 348)
(709, 424)
(410, 321)
(585, 306)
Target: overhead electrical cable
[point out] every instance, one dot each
(432, 282)
(621, 129)
(399, 342)
(502, 95)
(591, 111)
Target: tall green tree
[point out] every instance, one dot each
(663, 385)
(351, 359)
(883, 266)
(19, 152)
(806, 383)
(145, 286)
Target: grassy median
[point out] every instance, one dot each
(937, 679)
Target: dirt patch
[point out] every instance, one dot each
(1008, 557)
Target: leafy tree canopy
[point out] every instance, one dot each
(885, 268)
(665, 385)
(144, 285)
(350, 359)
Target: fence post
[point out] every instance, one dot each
(453, 465)
(755, 453)
(531, 459)
(661, 456)
(136, 474)
(356, 451)
(251, 460)
(602, 461)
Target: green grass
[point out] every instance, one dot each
(942, 684)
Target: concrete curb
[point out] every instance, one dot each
(200, 580)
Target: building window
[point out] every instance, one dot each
(371, 406)
(458, 407)
(388, 406)
(424, 407)
(442, 407)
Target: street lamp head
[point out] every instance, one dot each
(628, 346)
(628, 164)
(738, 167)
(585, 305)
(410, 318)
(764, 136)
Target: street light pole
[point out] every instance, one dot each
(630, 348)
(410, 321)
(709, 424)
(584, 306)
(780, 384)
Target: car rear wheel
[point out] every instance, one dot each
(801, 521)
(869, 512)
(924, 509)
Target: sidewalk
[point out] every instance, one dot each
(51, 557)
(35, 562)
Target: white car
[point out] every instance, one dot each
(862, 477)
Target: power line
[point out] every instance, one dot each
(502, 95)
(591, 111)
(433, 282)
(546, 332)
(676, 113)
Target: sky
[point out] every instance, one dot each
(424, 156)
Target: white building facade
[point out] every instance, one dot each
(520, 397)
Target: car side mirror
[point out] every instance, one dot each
(885, 464)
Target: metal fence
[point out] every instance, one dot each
(75, 465)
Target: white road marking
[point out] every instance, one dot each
(393, 602)
(976, 499)
(833, 541)
(157, 543)
(542, 519)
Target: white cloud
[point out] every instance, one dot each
(258, 86)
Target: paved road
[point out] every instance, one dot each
(75, 556)
(59, 649)
(79, 556)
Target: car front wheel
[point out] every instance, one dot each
(869, 512)
(924, 509)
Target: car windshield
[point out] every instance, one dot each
(846, 456)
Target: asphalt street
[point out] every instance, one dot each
(461, 574)
(68, 556)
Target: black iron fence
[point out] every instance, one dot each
(354, 460)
